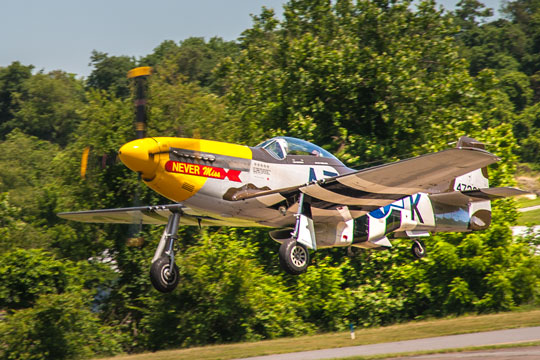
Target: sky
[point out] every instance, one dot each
(61, 34)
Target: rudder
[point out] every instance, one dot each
(476, 179)
(479, 211)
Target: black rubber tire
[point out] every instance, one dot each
(293, 257)
(418, 249)
(161, 278)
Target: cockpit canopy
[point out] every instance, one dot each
(282, 146)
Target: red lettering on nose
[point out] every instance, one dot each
(202, 170)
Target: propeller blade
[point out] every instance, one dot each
(84, 161)
(140, 75)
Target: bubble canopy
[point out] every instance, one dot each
(282, 146)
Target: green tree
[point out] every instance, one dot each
(223, 296)
(28, 274)
(376, 79)
(110, 73)
(518, 88)
(321, 297)
(195, 59)
(31, 184)
(12, 79)
(182, 108)
(47, 107)
(10, 223)
(470, 13)
(59, 326)
(527, 130)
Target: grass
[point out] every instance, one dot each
(523, 202)
(408, 331)
(529, 217)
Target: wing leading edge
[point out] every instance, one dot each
(156, 215)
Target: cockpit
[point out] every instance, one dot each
(282, 146)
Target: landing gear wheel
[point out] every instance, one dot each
(293, 257)
(162, 277)
(418, 249)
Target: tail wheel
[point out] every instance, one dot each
(418, 249)
(293, 257)
(162, 276)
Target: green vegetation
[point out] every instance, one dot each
(401, 332)
(529, 218)
(525, 202)
(369, 81)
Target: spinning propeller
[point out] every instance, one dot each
(140, 77)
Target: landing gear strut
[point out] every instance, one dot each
(164, 273)
(293, 252)
(418, 249)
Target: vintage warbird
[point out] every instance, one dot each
(308, 198)
(311, 199)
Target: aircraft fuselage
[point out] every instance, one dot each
(207, 175)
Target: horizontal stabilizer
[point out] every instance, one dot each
(496, 193)
(465, 197)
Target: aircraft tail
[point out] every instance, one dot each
(475, 185)
(476, 179)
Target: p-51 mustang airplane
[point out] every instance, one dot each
(302, 191)
(311, 199)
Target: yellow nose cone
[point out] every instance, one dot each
(141, 156)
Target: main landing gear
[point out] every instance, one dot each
(293, 254)
(164, 273)
(293, 257)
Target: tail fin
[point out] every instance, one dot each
(479, 211)
(475, 180)
(472, 190)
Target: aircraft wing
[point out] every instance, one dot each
(368, 189)
(156, 215)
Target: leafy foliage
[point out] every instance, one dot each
(336, 74)
(195, 59)
(223, 296)
(12, 79)
(48, 107)
(110, 73)
(59, 326)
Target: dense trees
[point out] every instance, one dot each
(12, 79)
(337, 75)
(369, 81)
(509, 46)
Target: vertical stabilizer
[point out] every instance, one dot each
(477, 179)
(479, 211)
